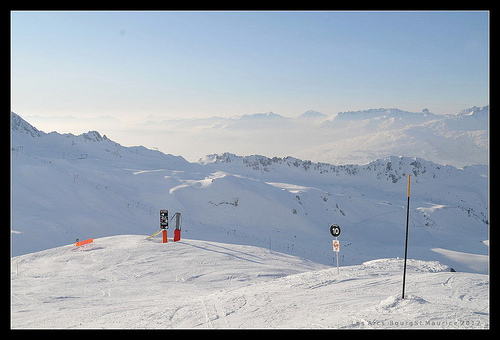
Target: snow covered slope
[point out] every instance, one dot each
(130, 282)
(66, 187)
(367, 201)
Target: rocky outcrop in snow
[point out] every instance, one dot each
(390, 168)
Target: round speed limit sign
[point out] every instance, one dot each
(335, 230)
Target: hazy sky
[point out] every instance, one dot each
(200, 64)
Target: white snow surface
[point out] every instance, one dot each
(129, 282)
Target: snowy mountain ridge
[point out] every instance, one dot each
(475, 111)
(393, 168)
(395, 112)
(69, 146)
(90, 186)
(266, 115)
(350, 137)
(382, 112)
(20, 125)
(382, 167)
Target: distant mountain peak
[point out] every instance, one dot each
(381, 112)
(266, 115)
(312, 114)
(474, 111)
(94, 136)
(20, 125)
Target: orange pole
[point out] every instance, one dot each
(164, 232)
(81, 243)
(409, 177)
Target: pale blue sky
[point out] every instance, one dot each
(201, 64)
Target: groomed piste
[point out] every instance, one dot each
(129, 281)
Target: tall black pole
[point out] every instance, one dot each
(406, 238)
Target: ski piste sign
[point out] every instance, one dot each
(163, 219)
(335, 230)
(336, 245)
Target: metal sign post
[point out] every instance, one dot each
(336, 249)
(335, 231)
(164, 224)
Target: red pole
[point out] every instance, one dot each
(164, 232)
(177, 235)
(177, 230)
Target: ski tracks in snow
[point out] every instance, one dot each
(211, 285)
(215, 317)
